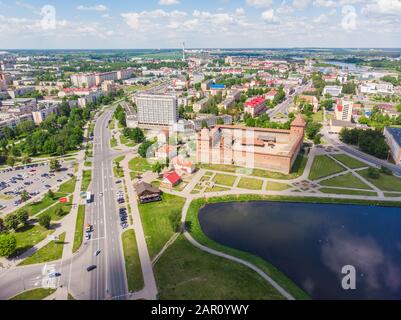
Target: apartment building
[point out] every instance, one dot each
(105, 76)
(210, 121)
(377, 88)
(200, 105)
(343, 110)
(255, 106)
(90, 98)
(40, 115)
(84, 80)
(12, 121)
(156, 110)
(334, 91)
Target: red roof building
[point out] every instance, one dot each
(255, 106)
(170, 179)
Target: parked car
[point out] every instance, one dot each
(90, 268)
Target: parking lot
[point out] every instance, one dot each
(36, 179)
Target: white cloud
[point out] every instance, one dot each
(269, 16)
(168, 2)
(99, 7)
(259, 3)
(325, 3)
(137, 20)
(300, 4)
(384, 7)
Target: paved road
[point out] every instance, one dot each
(284, 106)
(109, 279)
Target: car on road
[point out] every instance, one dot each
(118, 181)
(97, 253)
(90, 268)
(87, 236)
(54, 274)
(101, 194)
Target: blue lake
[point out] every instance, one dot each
(310, 243)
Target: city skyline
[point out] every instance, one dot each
(210, 24)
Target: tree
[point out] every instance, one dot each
(11, 222)
(143, 148)
(44, 220)
(25, 196)
(317, 139)
(8, 244)
(26, 160)
(55, 165)
(2, 227)
(175, 220)
(11, 161)
(59, 212)
(157, 167)
(22, 217)
(373, 173)
(312, 129)
(50, 194)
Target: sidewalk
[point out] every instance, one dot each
(150, 288)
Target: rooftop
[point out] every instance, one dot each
(396, 133)
(255, 102)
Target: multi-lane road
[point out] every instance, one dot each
(108, 280)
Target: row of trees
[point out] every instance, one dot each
(119, 114)
(370, 141)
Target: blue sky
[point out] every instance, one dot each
(218, 23)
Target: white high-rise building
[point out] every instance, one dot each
(161, 110)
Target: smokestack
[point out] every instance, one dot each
(183, 51)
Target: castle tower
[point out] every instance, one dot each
(298, 125)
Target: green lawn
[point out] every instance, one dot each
(350, 192)
(216, 189)
(35, 294)
(385, 182)
(69, 186)
(224, 179)
(347, 180)
(132, 262)
(29, 236)
(50, 252)
(66, 207)
(318, 116)
(35, 207)
(323, 166)
(201, 276)
(118, 172)
(297, 170)
(124, 140)
(248, 183)
(350, 162)
(86, 179)
(277, 186)
(88, 164)
(140, 165)
(79, 229)
(156, 223)
(392, 195)
(196, 232)
(113, 142)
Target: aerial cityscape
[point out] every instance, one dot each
(179, 151)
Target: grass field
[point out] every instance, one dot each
(350, 162)
(249, 183)
(86, 179)
(66, 207)
(79, 229)
(196, 231)
(34, 208)
(113, 142)
(318, 116)
(350, 192)
(29, 236)
(224, 179)
(124, 140)
(35, 294)
(323, 166)
(68, 186)
(140, 165)
(118, 171)
(201, 276)
(156, 223)
(88, 164)
(385, 182)
(347, 180)
(277, 186)
(132, 262)
(50, 252)
(216, 189)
